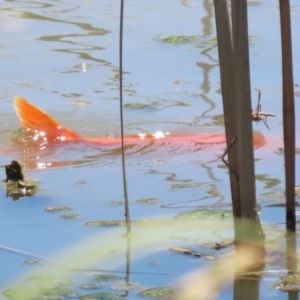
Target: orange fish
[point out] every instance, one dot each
(39, 125)
(42, 134)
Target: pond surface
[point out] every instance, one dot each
(63, 57)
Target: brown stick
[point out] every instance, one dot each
(289, 134)
(223, 25)
(242, 97)
(288, 113)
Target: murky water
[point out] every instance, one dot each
(63, 56)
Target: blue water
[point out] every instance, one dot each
(63, 56)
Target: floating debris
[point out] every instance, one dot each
(280, 151)
(107, 277)
(90, 286)
(16, 186)
(108, 223)
(159, 293)
(102, 296)
(185, 39)
(180, 39)
(137, 106)
(53, 292)
(71, 216)
(188, 185)
(126, 287)
(20, 189)
(32, 262)
(147, 201)
(57, 208)
(219, 246)
(289, 283)
(184, 250)
(205, 214)
(14, 172)
(79, 182)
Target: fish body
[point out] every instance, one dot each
(39, 124)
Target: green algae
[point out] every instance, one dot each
(180, 39)
(71, 216)
(205, 214)
(107, 277)
(158, 293)
(90, 286)
(147, 201)
(52, 292)
(101, 296)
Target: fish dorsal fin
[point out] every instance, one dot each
(34, 119)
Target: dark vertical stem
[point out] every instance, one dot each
(128, 257)
(127, 215)
(223, 25)
(288, 112)
(291, 260)
(289, 136)
(241, 285)
(242, 98)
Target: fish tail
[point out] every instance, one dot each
(34, 119)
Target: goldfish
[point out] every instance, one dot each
(39, 125)
(42, 136)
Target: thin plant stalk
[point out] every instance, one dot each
(242, 98)
(288, 112)
(289, 135)
(224, 36)
(127, 214)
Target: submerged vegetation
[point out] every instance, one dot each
(184, 39)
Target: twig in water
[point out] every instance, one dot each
(225, 153)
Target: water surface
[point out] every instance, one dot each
(63, 56)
